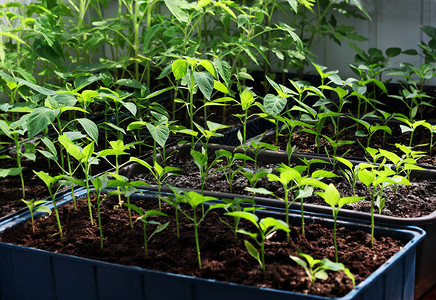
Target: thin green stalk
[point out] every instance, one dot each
(88, 197)
(57, 213)
(99, 221)
(17, 147)
(197, 243)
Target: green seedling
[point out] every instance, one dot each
(370, 130)
(229, 169)
(266, 228)
(378, 180)
(187, 69)
(50, 182)
(34, 207)
(316, 269)
(246, 101)
(350, 172)
(159, 130)
(143, 215)
(194, 200)
(335, 145)
(201, 161)
(410, 160)
(292, 180)
(14, 131)
(410, 126)
(118, 149)
(316, 118)
(332, 197)
(159, 173)
(86, 159)
(238, 204)
(289, 125)
(432, 129)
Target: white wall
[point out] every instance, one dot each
(395, 23)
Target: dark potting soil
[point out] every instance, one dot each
(419, 201)
(223, 257)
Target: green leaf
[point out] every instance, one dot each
(179, 68)
(175, 6)
(262, 191)
(10, 172)
(159, 133)
(253, 251)
(244, 215)
(268, 222)
(393, 51)
(69, 146)
(48, 180)
(199, 158)
(331, 195)
(321, 274)
(223, 68)
(274, 105)
(195, 199)
(90, 128)
(208, 65)
(345, 161)
(366, 177)
(247, 99)
(205, 82)
(220, 87)
(39, 119)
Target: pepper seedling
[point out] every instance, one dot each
(316, 269)
(266, 228)
(34, 207)
(332, 197)
(143, 215)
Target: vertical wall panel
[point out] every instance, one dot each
(395, 23)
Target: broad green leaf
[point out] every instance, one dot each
(274, 105)
(48, 180)
(10, 172)
(244, 215)
(205, 83)
(262, 191)
(88, 151)
(223, 68)
(247, 99)
(69, 146)
(159, 133)
(323, 174)
(179, 68)
(175, 6)
(220, 87)
(90, 128)
(268, 222)
(366, 177)
(347, 200)
(131, 107)
(321, 274)
(208, 65)
(331, 195)
(195, 199)
(215, 126)
(4, 127)
(345, 161)
(141, 162)
(39, 119)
